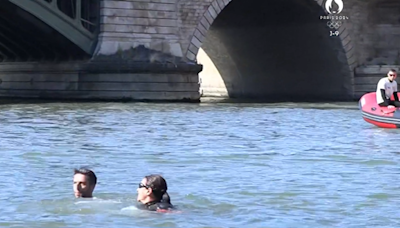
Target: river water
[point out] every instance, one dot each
(227, 165)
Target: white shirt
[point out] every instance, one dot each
(389, 87)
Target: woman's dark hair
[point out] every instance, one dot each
(159, 186)
(166, 198)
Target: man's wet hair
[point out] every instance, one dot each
(92, 179)
(393, 70)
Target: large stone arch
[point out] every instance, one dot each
(348, 60)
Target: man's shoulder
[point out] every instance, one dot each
(385, 80)
(382, 82)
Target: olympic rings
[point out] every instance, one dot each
(334, 24)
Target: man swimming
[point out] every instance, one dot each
(84, 183)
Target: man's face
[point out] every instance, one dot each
(392, 75)
(82, 187)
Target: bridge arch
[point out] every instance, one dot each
(222, 52)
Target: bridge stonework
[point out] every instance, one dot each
(153, 50)
(179, 27)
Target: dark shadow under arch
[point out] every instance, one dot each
(276, 50)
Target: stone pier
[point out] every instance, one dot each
(123, 81)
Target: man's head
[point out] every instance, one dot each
(84, 182)
(151, 188)
(392, 74)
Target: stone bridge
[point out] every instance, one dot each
(183, 49)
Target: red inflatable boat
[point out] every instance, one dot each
(380, 116)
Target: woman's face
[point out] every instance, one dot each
(143, 191)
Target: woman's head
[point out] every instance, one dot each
(152, 188)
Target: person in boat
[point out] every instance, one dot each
(387, 87)
(152, 194)
(85, 181)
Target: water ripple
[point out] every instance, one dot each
(227, 165)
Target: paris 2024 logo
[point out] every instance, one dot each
(329, 6)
